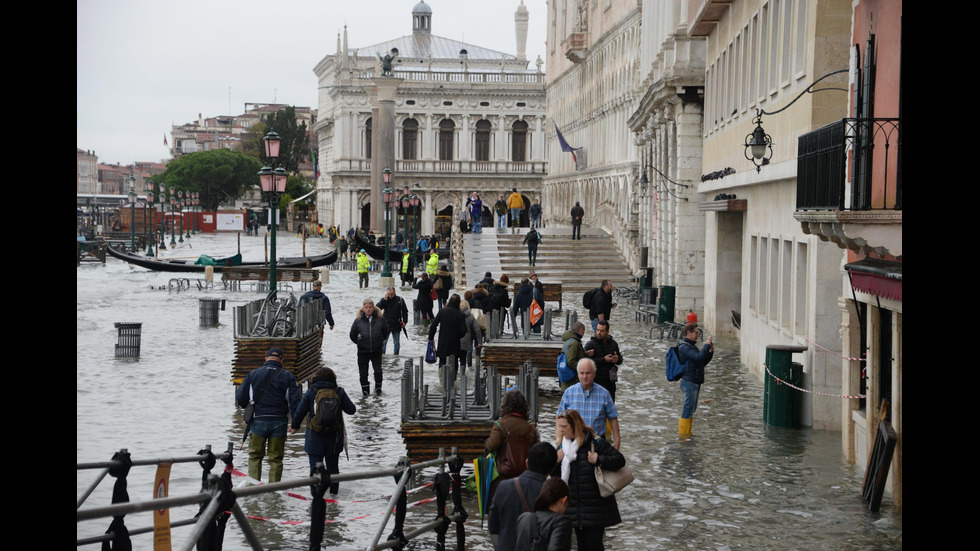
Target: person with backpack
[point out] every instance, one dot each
(518, 495)
(531, 240)
(599, 302)
(573, 351)
(546, 528)
(323, 407)
(694, 361)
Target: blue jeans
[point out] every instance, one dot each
(595, 324)
(478, 224)
(396, 336)
(515, 218)
(535, 221)
(501, 221)
(691, 392)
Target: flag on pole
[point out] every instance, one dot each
(165, 140)
(316, 166)
(580, 158)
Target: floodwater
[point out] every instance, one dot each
(737, 484)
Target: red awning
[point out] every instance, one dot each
(881, 278)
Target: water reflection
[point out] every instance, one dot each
(736, 484)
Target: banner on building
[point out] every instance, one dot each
(579, 154)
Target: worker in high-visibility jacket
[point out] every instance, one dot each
(406, 267)
(363, 265)
(433, 264)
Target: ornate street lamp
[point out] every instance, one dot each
(757, 144)
(386, 174)
(173, 221)
(416, 200)
(132, 214)
(273, 183)
(150, 228)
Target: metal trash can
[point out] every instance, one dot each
(209, 311)
(128, 339)
(783, 405)
(665, 308)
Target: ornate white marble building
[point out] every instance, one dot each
(464, 118)
(593, 75)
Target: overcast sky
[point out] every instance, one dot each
(143, 66)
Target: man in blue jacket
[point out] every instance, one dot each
(694, 362)
(276, 395)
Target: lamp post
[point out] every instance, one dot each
(186, 204)
(150, 227)
(417, 231)
(273, 183)
(132, 214)
(386, 273)
(197, 205)
(173, 221)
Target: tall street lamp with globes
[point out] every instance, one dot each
(273, 183)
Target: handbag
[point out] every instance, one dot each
(437, 286)
(248, 414)
(430, 353)
(433, 294)
(611, 482)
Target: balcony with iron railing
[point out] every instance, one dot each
(434, 167)
(849, 184)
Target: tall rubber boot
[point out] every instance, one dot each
(256, 451)
(277, 450)
(684, 427)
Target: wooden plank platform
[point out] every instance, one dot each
(507, 355)
(552, 292)
(423, 439)
(302, 356)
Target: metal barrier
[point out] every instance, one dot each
(217, 498)
(277, 318)
(179, 284)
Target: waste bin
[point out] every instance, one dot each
(128, 336)
(209, 311)
(783, 405)
(665, 308)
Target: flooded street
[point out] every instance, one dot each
(736, 485)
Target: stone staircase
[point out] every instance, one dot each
(579, 264)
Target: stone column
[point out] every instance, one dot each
(383, 144)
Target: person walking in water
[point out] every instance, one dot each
(694, 361)
(275, 396)
(322, 407)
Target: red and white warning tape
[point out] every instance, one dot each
(332, 521)
(834, 352)
(252, 481)
(782, 382)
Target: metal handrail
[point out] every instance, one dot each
(215, 496)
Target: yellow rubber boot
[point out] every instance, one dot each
(684, 427)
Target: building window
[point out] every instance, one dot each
(446, 130)
(519, 142)
(483, 140)
(367, 139)
(410, 134)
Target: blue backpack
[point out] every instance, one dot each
(565, 373)
(675, 369)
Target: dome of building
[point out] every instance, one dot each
(421, 7)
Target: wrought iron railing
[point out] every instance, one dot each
(867, 153)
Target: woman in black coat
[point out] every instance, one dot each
(423, 302)
(453, 326)
(580, 451)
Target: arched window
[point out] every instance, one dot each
(446, 130)
(410, 134)
(519, 142)
(483, 140)
(367, 138)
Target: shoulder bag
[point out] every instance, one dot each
(611, 482)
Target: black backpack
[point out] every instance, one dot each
(327, 414)
(589, 297)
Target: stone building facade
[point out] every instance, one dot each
(761, 54)
(457, 117)
(667, 127)
(593, 75)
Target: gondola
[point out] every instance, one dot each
(232, 262)
(377, 252)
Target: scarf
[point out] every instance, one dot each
(570, 447)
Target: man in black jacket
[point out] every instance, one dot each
(601, 303)
(507, 504)
(369, 332)
(604, 351)
(396, 316)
